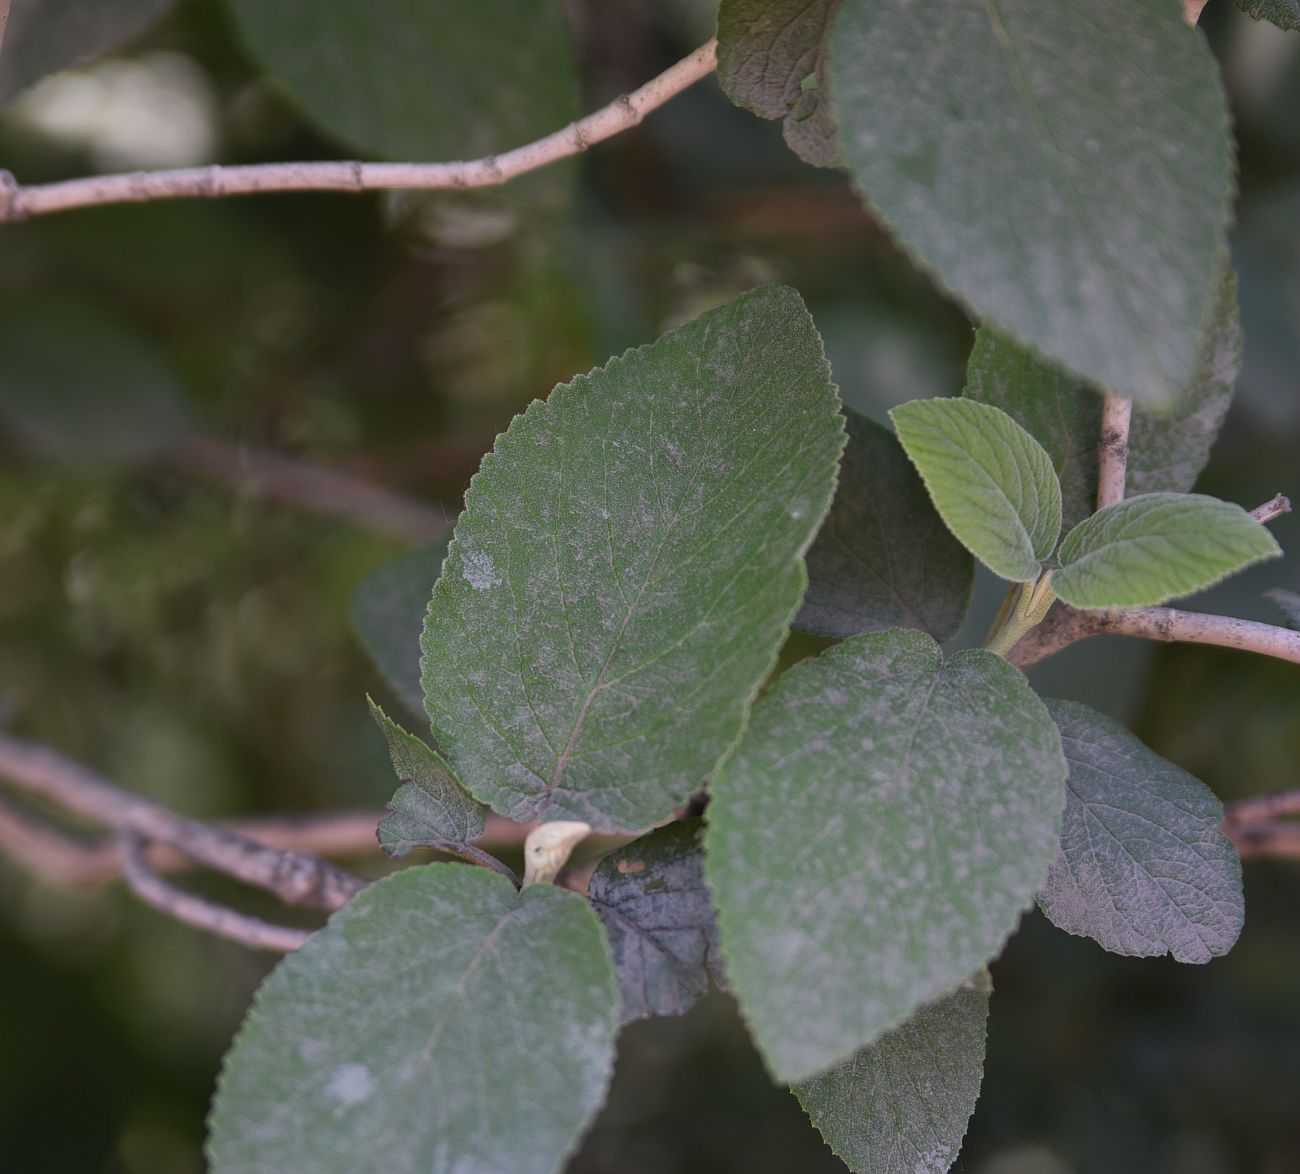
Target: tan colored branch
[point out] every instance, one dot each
(1272, 509)
(19, 202)
(1112, 452)
(283, 480)
(1263, 808)
(1277, 840)
(4, 20)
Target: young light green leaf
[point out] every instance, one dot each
(45, 36)
(903, 1103)
(883, 558)
(1144, 869)
(439, 1022)
(658, 915)
(78, 386)
(1167, 451)
(388, 609)
(430, 809)
(403, 79)
(1149, 549)
(626, 567)
(1283, 13)
(772, 60)
(1077, 226)
(875, 837)
(1289, 604)
(991, 481)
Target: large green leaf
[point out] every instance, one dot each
(430, 809)
(1283, 13)
(659, 917)
(901, 1105)
(875, 837)
(772, 60)
(992, 483)
(1144, 868)
(420, 79)
(440, 1022)
(1156, 547)
(1167, 451)
(1087, 228)
(44, 36)
(388, 609)
(626, 567)
(883, 558)
(81, 387)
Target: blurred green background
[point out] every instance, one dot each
(194, 643)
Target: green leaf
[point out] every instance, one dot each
(772, 60)
(1088, 230)
(1167, 451)
(1144, 869)
(78, 386)
(1156, 547)
(875, 837)
(991, 481)
(1289, 603)
(1283, 13)
(658, 915)
(883, 558)
(440, 1021)
(45, 36)
(388, 609)
(430, 808)
(626, 567)
(412, 80)
(903, 1103)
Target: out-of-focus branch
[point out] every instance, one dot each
(18, 202)
(1192, 10)
(1259, 827)
(1112, 452)
(4, 20)
(285, 480)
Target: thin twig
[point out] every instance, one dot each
(1112, 452)
(285, 480)
(18, 202)
(40, 849)
(194, 910)
(4, 20)
(1274, 508)
(295, 877)
(1261, 808)
(1280, 840)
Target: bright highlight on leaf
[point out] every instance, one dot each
(440, 1021)
(1156, 547)
(992, 483)
(875, 837)
(626, 568)
(903, 1103)
(1144, 868)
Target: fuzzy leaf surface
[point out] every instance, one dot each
(430, 809)
(1167, 450)
(875, 837)
(1283, 13)
(626, 567)
(772, 60)
(440, 1022)
(902, 1104)
(1144, 868)
(658, 915)
(1149, 549)
(1088, 230)
(990, 480)
(883, 558)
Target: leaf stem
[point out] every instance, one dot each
(1031, 605)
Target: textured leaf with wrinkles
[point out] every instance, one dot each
(902, 1104)
(991, 481)
(1283, 13)
(440, 1022)
(875, 837)
(430, 809)
(1149, 549)
(883, 558)
(1090, 230)
(658, 915)
(1167, 451)
(1144, 868)
(626, 567)
(772, 60)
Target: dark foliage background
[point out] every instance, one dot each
(195, 645)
